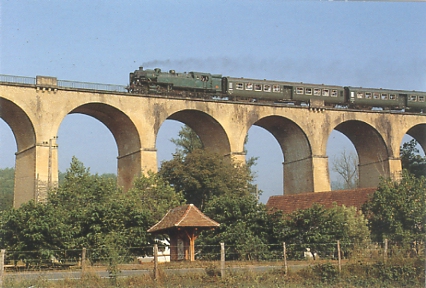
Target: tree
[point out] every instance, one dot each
(397, 210)
(245, 227)
(154, 194)
(88, 211)
(202, 175)
(346, 165)
(7, 180)
(411, 160)
(318, 229)
(187, 142)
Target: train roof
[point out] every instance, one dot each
(386, 90)
(283, 82)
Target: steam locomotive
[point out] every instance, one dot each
(215, 86)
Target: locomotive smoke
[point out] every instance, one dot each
(288, 69)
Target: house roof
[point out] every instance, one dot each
(184, 216)
(290, 203)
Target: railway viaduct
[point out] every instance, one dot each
(35, 107)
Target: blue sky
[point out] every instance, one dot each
(370, 44)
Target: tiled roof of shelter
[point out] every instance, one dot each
(290, 203)
(184, 216)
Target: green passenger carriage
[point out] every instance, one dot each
(213, 86)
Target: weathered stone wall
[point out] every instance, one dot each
(35, 114)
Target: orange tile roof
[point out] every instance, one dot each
(290, 203)
(184, 216)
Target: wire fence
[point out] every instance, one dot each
(300, 253)
(64, 83)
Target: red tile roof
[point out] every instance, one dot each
(290, 203)
(184, 216)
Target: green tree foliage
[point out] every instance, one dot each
(411, 160)
(318, 229)
(397, 210)
(7, 180)
(245, 227)
(202, 175)
(154, 195)
(187, 142)
(88, 211)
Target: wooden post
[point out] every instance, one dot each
(155, 261)
(2, 253)
(385, 253)
(83, 262)
(222, 260)
(285, 258)
(339, 257)
(192, 246)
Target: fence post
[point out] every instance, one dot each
(385, 253)
(83, 261)
(339, 257)
(155, 261)
(222, 260)
(3, 251)
(285, 258)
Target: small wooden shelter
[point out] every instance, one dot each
(183, 225)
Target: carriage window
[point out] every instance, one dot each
(239, 86)
(367, 95)
(325, 92)
(267, 88)
(258, 87)
(299, 90)
(392, 96)
(384, 96)
(249, 86)
(333, 93)
(204, 78)
(317, 92)
(276, 88)
(308, 91)
(413, 98)
(230, 86)
(359, 95)
(421, 98)
(376, 95)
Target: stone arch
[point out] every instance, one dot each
(210, 131)
(25, 137)
(372, 151)
(418, 133)
(295, 146)
(126, 137)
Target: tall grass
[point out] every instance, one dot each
(395, 272)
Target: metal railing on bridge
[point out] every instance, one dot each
(17, 79)
(64, 83)
(91, 86)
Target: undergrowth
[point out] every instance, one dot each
(393, 273)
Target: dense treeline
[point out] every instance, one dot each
(7, 182)
(90, 211)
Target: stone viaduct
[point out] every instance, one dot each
(35, 108)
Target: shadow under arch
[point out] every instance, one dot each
(418, 132)
(295, 146)
(372, 151)
(211, 133)
(126, 137)
(25, 137)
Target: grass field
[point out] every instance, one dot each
(394, 273)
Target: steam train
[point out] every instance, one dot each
(215, 86)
